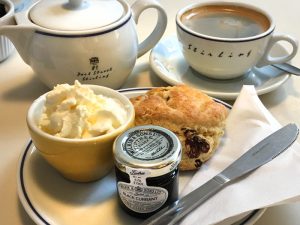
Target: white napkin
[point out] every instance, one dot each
(274, 183)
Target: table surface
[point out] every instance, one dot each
(19, 86)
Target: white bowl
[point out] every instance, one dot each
(80, 160)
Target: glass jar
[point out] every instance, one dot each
(146, 164)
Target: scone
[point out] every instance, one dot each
(193, 116)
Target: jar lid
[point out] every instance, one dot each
(76, 15)
(148, 147)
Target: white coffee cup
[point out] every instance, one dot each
(224, 40)
(6, 47)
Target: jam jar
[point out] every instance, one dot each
(146, 164)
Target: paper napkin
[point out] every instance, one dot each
(274, 183)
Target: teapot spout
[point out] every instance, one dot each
(21, 37)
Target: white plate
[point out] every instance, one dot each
(168, 63)
(49, 198)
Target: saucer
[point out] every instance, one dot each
(48, 198)
(168, 63)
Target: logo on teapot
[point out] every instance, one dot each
(94, 61)
(96, 72)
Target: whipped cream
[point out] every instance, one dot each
(75, 111)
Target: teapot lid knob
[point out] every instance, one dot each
(75, 3)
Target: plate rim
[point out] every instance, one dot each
(223, 95)
(25, 200)
(40, 220)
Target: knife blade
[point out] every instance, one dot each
(258, 155)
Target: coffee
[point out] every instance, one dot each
(2, 10)
(225, 21)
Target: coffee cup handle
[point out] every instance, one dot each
(267, 59)
(137, 8)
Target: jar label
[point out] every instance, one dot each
(139, 197)
(149, 144)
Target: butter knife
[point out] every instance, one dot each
(258, 155)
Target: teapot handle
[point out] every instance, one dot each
(137, 8)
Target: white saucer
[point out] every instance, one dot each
(168, 63)
(48, 198)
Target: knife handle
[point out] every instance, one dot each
(288, 68)
(173, 213)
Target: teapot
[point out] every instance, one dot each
(92, 41)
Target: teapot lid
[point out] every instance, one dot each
(76, 15)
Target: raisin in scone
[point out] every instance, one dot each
(194, 117)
